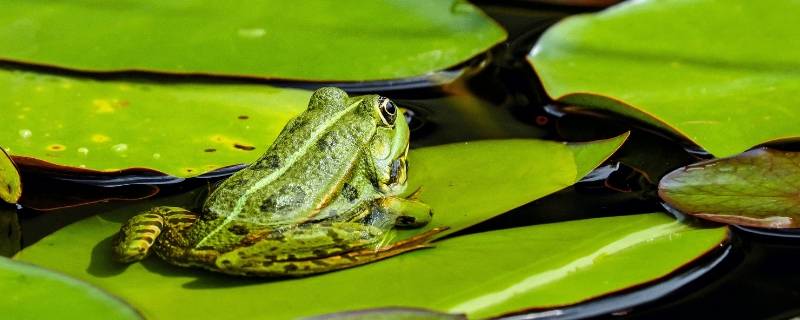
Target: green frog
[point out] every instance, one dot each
(323, 197)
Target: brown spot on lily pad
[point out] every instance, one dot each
(243, 147)
(244, 117)
(210, 150)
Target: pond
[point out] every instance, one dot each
(495, 95)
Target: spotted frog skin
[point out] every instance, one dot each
(323, 197)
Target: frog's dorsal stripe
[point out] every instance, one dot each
(290, 160)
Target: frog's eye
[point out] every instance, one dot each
(388, 110)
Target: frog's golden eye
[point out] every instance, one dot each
(388, 110)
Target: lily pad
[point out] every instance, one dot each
(470, 182)
(667, 63)
(178, 129)
(471, 266)
(309, 40)
(757, 188)
(10, 182)
(30, 292)
(482, 275)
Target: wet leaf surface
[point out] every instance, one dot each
(179, 129)
(758, 188)
(10, 182)
(320, 40)
(726, 83)
(470, 182)
(31, 292)
(481, 274)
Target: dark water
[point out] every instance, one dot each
(498, 96)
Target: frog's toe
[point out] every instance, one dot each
(137, 235)
(414, 221)
(408, 213)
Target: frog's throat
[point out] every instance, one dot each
(291, 159)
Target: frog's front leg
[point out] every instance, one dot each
(139, 233)
(408, 212)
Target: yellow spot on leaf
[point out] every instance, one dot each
(56, 147)
(124, 87)
(99, 138)
(218, 138)
(102, 106)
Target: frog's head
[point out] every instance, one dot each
(381, 125)
(389, 144)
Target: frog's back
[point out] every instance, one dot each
(299, 174)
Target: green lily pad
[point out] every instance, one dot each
(726, 83)
(30, 292)
(179, 129)
(482, 275)
(471, 266)
(312, 40)
(10, 182)
(757, 188)
(470, 182)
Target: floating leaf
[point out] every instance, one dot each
(482, 275)
(178, 129)
(10, 182)
(757, 188)
(466, 183)
(31, 292)
(426, 278)
(726, 83)
(312, 40)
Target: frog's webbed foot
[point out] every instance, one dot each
(271, 256)
(139, 233)
(408, 212)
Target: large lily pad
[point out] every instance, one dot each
(30, 292)
(471, 182)
(757, 188)
(726, 83)
(482, 275)
(496, 181)
(178, 129)
(309, 40)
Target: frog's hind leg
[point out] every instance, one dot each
(139, 233)
(315, 250)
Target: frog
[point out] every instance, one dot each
(324, 196)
